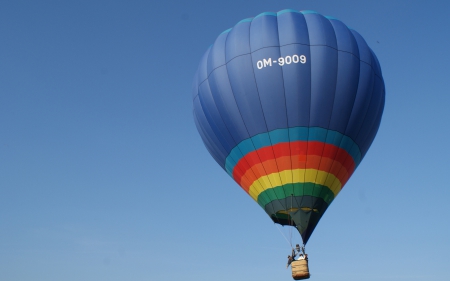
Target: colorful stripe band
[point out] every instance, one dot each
(268, 165)
(291, 135)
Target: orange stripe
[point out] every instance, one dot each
(290, 163)
(300, 154)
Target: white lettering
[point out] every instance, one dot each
(281, 61)
(259, 64)
(267, 62)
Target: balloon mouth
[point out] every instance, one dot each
(287, 213)
(285, 217)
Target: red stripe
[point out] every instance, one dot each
(293, 155)
(291, 163)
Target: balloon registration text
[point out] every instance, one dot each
(281, 61)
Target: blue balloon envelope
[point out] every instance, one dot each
(288, 104)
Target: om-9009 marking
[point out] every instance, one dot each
(281, 61)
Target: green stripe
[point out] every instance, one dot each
(296, 189)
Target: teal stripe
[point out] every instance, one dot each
(288, 11)
(245, 20)
(291, 135)
(232, 161)
(308, 12)
(266, 14)
(331, 18)
(279, 136)
(225, 31)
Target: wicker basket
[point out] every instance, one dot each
(300, 269)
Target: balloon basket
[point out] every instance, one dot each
(300, 269)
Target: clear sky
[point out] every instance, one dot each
(103, 175)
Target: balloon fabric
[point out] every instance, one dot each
(288, 104)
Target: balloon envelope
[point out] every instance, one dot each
(288, 104)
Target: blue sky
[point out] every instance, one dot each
(103, 175)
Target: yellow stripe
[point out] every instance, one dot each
(295, 176)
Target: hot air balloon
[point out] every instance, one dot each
(288, 105)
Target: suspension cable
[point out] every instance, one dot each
(287, 240)
(290, 222)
